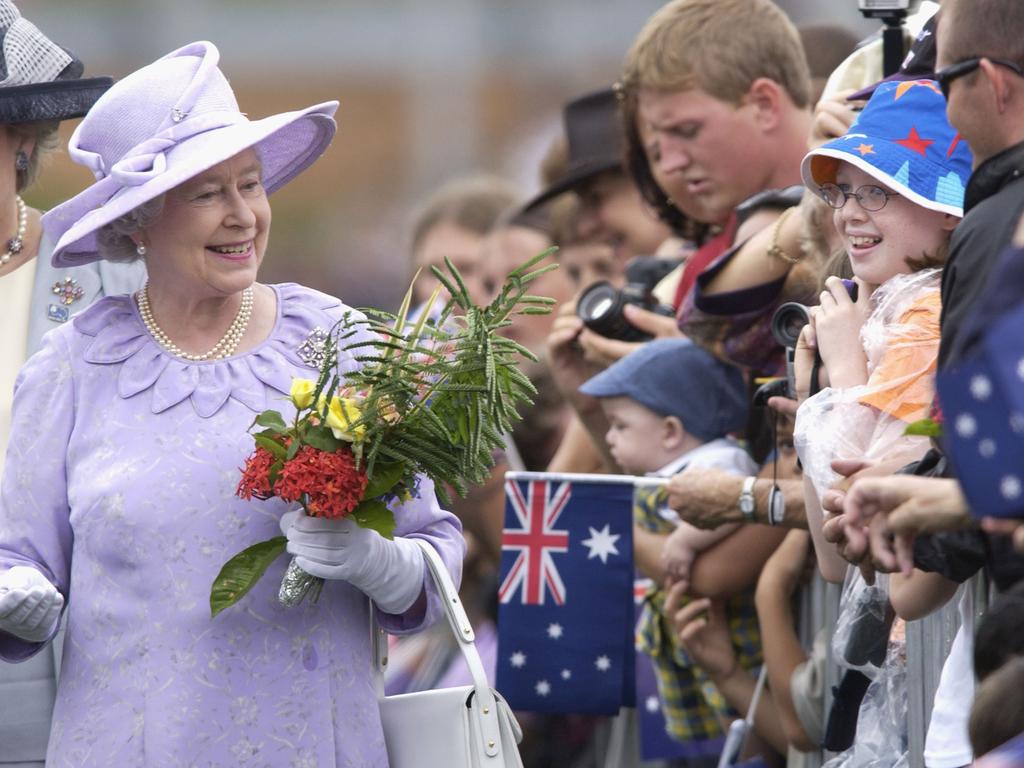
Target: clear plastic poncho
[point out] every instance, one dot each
(901, 342)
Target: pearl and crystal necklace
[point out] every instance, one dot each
(224, 348)
(16, 243)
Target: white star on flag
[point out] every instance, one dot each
(566, 674)
(603, 663)
(966, 426)
(543, 687)
(601, 543)
(981, 387)
(1017, 422)
(554, 631)
(652, 704)
(517, 659)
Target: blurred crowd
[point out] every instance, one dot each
(788, 284)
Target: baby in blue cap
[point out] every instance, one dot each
(671, 405)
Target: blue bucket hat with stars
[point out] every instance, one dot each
(903, 139)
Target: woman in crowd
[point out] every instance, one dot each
(128, 429)
(43, 85)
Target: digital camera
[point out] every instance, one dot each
(788, 322)
(601, 304)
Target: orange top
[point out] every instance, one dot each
(903, 383)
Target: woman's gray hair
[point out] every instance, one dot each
(114, 240)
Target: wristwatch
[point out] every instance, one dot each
(747, 504)
(776, 506)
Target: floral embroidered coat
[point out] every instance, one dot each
(119, 487)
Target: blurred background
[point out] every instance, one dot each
(429, 90)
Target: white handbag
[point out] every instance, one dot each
(466, 727)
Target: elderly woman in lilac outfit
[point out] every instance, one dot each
(129, 427)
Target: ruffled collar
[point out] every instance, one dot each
(120, 338)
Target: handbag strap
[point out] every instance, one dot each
(461, 627)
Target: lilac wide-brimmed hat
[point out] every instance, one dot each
(163, 125)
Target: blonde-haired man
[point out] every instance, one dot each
(720, 92)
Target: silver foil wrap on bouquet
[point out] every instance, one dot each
(298, 585)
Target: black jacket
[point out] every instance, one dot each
(993, 205)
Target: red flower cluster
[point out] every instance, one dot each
(331, 483)
(256, 476)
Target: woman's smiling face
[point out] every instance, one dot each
(212, 233)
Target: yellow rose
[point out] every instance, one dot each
(302, 392)
(342, 413)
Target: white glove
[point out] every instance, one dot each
(30, 605)
(389, 572)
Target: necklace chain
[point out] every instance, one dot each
(16, 243)
(224, 348)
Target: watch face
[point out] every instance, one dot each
(776, 506)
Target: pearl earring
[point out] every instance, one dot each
(140, 249)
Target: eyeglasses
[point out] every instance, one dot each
(945, 76)
(870, 197)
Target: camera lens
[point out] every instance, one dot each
(600, 308)
(787, 322)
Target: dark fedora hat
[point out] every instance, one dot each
(40, 80)
(593, 130)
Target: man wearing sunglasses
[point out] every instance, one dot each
(981, 72)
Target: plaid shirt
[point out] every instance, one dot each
(693, 707)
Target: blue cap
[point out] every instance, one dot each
(902, 138)
(674, 377)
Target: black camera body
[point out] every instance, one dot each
(787, 324)
(601, 304)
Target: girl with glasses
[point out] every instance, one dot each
(865, 362)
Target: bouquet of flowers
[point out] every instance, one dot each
(429, 398)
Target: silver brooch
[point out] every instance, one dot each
(313, 349)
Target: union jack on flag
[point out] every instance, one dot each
(565, 613)
(534, 572)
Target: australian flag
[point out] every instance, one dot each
(565, 614)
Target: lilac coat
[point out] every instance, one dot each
(119, 487)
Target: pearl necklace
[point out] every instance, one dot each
(16, 243)
(224, 348)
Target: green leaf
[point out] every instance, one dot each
(268, 443)
(376, 516)
(273, 421)
(242, 571)
(385, 475)
(321, 438)
(524, 268)
(924, 427)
